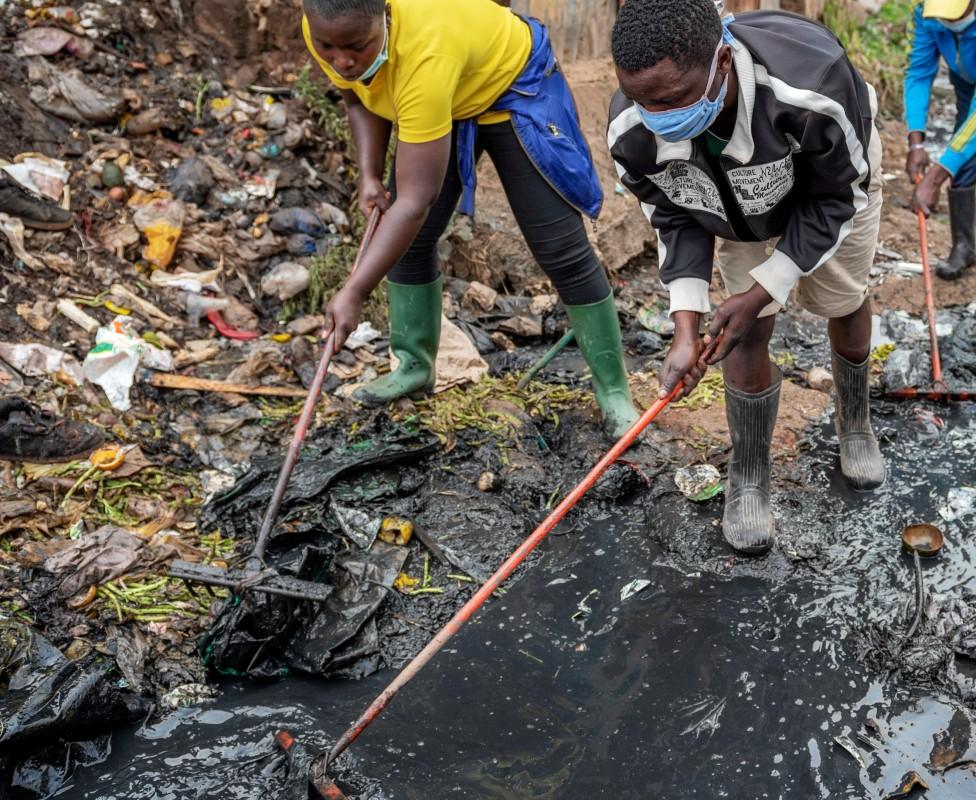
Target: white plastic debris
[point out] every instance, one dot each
(698, 482)
(13, 229)
(113, 361)
(194, 282)
(633, 588)
(960, 502)
(362, 336)
(38, 361)
(286, 280)
(42, 175)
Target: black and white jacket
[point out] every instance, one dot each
(796, 166)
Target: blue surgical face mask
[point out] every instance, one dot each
(381, 57)
(959, 25)
(681, 124)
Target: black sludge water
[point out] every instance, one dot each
(639, 658)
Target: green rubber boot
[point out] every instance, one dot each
(597, 332)
(415, 333)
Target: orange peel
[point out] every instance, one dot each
(107, 458)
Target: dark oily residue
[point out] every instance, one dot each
(723, 677)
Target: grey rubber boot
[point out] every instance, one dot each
(748, 521)
(962, 224)
(860, 456)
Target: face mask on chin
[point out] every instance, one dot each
(381, 57)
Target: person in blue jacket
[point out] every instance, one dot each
(944, 29)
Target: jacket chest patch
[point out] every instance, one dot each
(688, 186)
(759, 187)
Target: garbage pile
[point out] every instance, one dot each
(169, 237)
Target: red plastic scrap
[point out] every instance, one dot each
(217, 320)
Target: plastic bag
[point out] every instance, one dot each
(112, 362)
(286, 280)
(161, 221)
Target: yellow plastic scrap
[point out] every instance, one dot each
(281, 337)
(219, 104)
(396, 530)
(404, 583)
(161, 248)
(116, 309)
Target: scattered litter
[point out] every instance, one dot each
(112, 362)
(820, 379)
(194, 282)
(359, 526)
(488, 482)
(42, 175)
(38, 360)
(161, 220)
(13, 229)
(46, 41)
(909, 782)
(192, 181)
(162, 380)
(396, 530)
(297, 220)
(960, 503)
(632, 588)
(286, 280)
(905, 368)
(851, 749)
(84, 321)
(189, 694)
(66, 94)
(710, 390)
(101, 556)
(699, 482)
(656, 318)
(364, 334)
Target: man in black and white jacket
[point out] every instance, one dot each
(752, 142)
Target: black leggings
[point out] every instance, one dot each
(552, 228)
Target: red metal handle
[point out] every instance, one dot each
(929, 299)
(305, 418)
(500, 576)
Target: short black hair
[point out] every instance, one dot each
(331, 9)
(649, 31)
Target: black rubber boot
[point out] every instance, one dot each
(748, 521)
(860, 456)
(33, 211)
(29, 434)
(962, 223)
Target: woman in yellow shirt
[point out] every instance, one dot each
(458, 78)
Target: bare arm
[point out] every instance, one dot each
(420, 172)
(371, 137)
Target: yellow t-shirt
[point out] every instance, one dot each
(448, 60)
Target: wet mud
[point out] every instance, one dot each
(640, 655)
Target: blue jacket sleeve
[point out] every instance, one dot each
(962, 145)
(923, 64)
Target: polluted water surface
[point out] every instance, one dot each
(639, 656)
